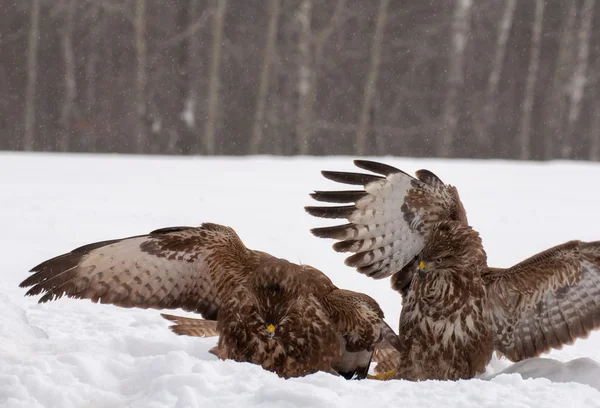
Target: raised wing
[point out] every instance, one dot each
(181, 267)
(187, 326)
(546, 301)
(389, 219)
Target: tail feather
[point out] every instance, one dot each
(188, 326)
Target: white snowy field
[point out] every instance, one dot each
(74, 353)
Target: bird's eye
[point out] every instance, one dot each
(439, 260)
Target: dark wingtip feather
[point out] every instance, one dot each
(336, 232)
(28, 282)
(167, 230)
(51, 263)
(379, 168)
(36, 290)
(70, 259)
(355, 260)
(50, 296)
(331, 212)
(350, 178)
(38, 276)
(375, 271)
(428, 177)
(346, 246)
(53, 272)
(338, 196)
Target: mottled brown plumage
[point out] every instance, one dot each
(455, 309)
(288, 318)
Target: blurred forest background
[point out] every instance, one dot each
(462, 78)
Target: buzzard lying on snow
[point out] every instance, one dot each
(455, 309)
(290, 319)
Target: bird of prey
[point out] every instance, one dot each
(456, 310)
(290, 319)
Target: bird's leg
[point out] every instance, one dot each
(383, 376)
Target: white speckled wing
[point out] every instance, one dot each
(182, 267)
(389, 220)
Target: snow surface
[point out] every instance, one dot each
(74, 353)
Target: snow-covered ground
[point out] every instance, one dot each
(73, 353)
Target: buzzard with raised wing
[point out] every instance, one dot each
(288, 318)
(455, 309)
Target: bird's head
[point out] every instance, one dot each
(451, 247)
(275, 299)
(273, 305)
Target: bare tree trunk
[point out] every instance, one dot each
(371, 84)
(305, 67)
(186, 143)
(32, 67)
(579, 79)
(213, 87)
(275, 117)
(320, 40)
(93, 49)
(190, 141)
(489, 110)
(556, 107)
(323, 36)
(532, 73)
(68, 108)
(141, 78)
(461, 25)
(311, 47)
(261, 99)
(594, 154)
(92, 59)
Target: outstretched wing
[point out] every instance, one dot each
(187, 326)
(546, 301)
(180, 267)
(389, 220)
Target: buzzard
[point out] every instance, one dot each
(288, 318)
(456, 310)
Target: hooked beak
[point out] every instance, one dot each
(271, 330)
(422, 269)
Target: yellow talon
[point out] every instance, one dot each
(383, 376)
